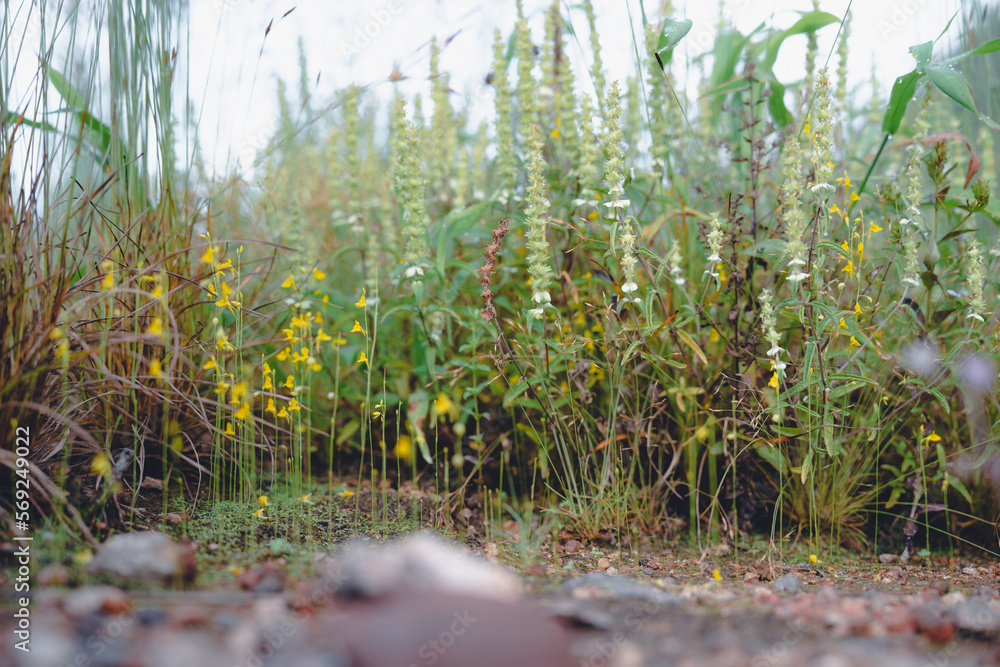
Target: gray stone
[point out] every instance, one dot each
(788, 583)
(146, 558)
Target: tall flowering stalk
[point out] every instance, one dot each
(912, 220)
(769, 328)
(442, 150)
(597, 71)
(409, 183)
(823, 138)
(527, 88)
(976, 280)
(539, 252)
(623, 236)
(791, 209)
(506, 161)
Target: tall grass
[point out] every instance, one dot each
(746, 311)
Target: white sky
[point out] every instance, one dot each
(233, 70)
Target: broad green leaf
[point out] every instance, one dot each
(902, 92)
(773, 456)
(810, 22)
(956, 86)
(922, 53)
(79, 108)
(673, 33)
(776, 104)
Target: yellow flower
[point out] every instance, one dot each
(283, 413)
(243, 412)
(155, 327)
(108, 281)
(849, 268)
(224, 302)
(874, 228)
(854, 342)
(357, 327)
(220, 268)
(773, 382)
(156, 368)
(318, 275)
(857, 310)
(260, 513)
(716, 575)
(404, 448)
(289, 282)
(239, 391)
(307, 499)
(100, 465)
(229, 429)
(222, 388)
(209, 255)
(290, 382)
(222, 343)
(322, 337)
(843, 324)
(346, 493)
(363, 359)
(83, 557)
(933, 437)
(316, 367)
(262, 501)
(270, 406)
(268, 386)
(293, 405)
(812, 558)
(361, 303)
(283, 355)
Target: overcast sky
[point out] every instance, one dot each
(233, 69)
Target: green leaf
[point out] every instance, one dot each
(989, 47)
(673, 33)
(736, 84)
(852, 378)
(687, 340)
(922, 53)
(959, 486)
(902, 92)
(936, 393)
(956, 86)
(810, 22)
(773, 456)
(776, 103)
(79, 106)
